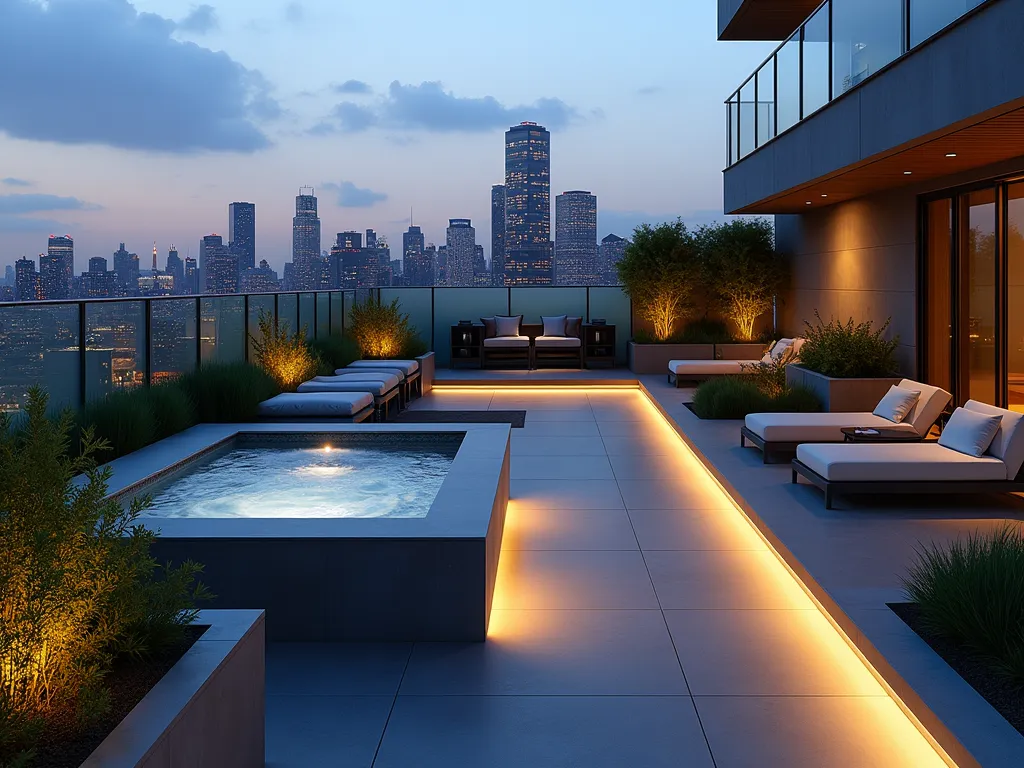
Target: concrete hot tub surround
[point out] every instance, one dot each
(333, 579)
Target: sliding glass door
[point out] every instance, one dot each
(1015, 296)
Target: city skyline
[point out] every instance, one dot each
(430, 124)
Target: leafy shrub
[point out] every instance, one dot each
(124, 420)
(770, 378)
(733, 397)
(414, 347)
(971, 592)
(173, 411)
(658, 271)
(334, 352)
(705, 330)
(849, 350)
(77, 584)
(380, 330)
(741, 269)
(284, 355)
(228, 392)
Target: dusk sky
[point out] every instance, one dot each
(142, 121)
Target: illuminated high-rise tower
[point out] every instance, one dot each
(528, 247)
(56, 267)
(242, 233)
(576, 238)
(498, 234)
(307, 262)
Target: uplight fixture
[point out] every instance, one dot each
(951, 154)
(824, 195)
(907, 173)
(808, 202)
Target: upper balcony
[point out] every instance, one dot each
(761, 19)
(868, 92)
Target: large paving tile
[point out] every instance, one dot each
(543, 732)
(566, 529)
(337, 731)
(567, 494)
(540, 402)
(632, 466)
(335, 668)
(560, 467)
(723, 580)
(539, 426)
(693, 491)
(553, 414)
(636, 429)
(685, 529)
(627, 412)
(536, 652)
(654, 443)
(823, 732)
(767, 653)
(566, 580)
(531, 445)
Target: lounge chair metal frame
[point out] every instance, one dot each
(771, 452)
(850, 487)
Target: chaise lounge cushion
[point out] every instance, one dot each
(383, 369)
(406, 366)
(812, 427)
(329, 405)
(557, 342)
(377, 388)
(897, 462)
(929, 405)
(508, 342)
(684, 368)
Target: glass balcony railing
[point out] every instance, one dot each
(82, 350)
(842, 44)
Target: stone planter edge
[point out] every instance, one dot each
(654, 358)
(857, 395)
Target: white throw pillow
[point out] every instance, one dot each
(779, 350)
(767, 359)
(897, 404)
(507, 326)
(554, 326)
(969, 432)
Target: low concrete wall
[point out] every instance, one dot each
(841, 395)
(206, 712)
(654, 358)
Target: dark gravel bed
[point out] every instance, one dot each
(1005, 698)
(66, 744)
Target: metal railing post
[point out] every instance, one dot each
(82, 353)
(147, 307)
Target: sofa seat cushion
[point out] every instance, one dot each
(508, 342)
(557, 342)
(683, 368)
(328, 405)
(377, 388)
(812, 427)
(897, 462)
(406, 366)
(367, 370)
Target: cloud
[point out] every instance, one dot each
(294, 13)
(201, 20)
(11, 224)
(17, 204)
(352, 87)
(351, 196)
(125, 80)
(429, 107)
(649, 90)
(10, 181)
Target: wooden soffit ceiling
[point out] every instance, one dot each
(993, 140)
(767, 19)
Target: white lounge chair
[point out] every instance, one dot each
(697, 370)
(383, 386)
(856, 468)
(779, 434)
(407, 371)
(318, 406)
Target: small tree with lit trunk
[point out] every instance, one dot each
(658, 272)
(743, 272)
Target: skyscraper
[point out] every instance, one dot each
(498, 234)
(9, 278)
(461, 251)
(126, 271)
(481, 273)
(191, 287)
(218, 264)
(612, 248)
(352, 265)
(97, 283)
(306, 260)
(417, 265)
(528, 205)
(26, 280)
(242, 233)
(576, 238)
(56, 267)
(176, 269)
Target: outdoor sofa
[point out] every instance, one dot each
(981, 450)
(787, 350)
(555, 339)
(559, 341)
(779, 434)
(318, 406)
(383, 386)
(505, 342)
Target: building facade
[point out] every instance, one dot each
(417, 265)
(911, 207)
(498, 234)
(242, 233)
(26, 281)
(306, 259)
(218, 264)
(461, 252)
(608, 256)
(528, 203)
(576, 238)
(56, 267)
(126, 271)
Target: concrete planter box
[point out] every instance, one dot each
(654, 358)
(426, 371)
(206, 712)
(739, 351)
(841, 395)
